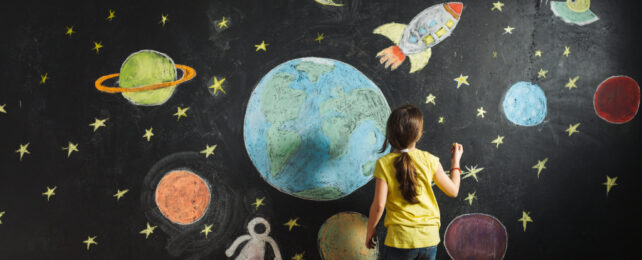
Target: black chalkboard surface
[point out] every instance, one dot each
(173, 130)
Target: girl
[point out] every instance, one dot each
(403, 188)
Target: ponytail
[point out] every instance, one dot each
(407, 177)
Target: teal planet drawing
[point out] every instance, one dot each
(314, 126)
(524, 104)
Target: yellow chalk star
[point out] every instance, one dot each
(120, 193)
(222, 23)
(470, 198)
(541, 165)
(209, 150)
(164, 19)
(320, 37)
(441, 120)
(462, 80)
(494, 54)
(50, 192)
(481, 112)
(261, 46)
(525, 219)
(258, 202)
(542, 73)
(572, 129)
(23, 150)
(90, 241)
(97, 46)
(497, 5)
(71, 147)
(70, 31)
(571, 82)
(292, 223)
(1, 214)
(610, 182)
(472, 172)
(207, 229)
(538, 53)
(43, 78)
(98, 123)
(2, 109)
(148, 231)
(430, 99)
(567, 51)
(218, 85)
(148, 134)
(298, 256)
(181, 112)
(509, 30)
(111, 15)
(499, 140)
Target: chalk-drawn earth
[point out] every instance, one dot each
(313, 127)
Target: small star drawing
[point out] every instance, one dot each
(292, 223)
(262, 46)
(70, 31)
(222, 23)
(499, 140)
(148, 230)
(207, 229)
(441, 120)
(542, 73)
(120, 193)
(50, 192)
(610, 182)
(481, 112)
(298, 256)
(567, 51)
(430, 99)
(538, 53)
(470, 198)
(509, 30)
(494, 54)
(97, 46)
(472, 172)
(571, 83)
(218, 85)
(462, 80)
(164, 19)
(320, 37)
(148, 134)
(98, 123)
(2, 109)
(525, 219)
(111, 15)
(71, 147)
(497, 5)
(258, 203)
(181, 112)
(209, 150)
(23, 150)
(1, 214)
(541, 165)
(572, 129)
(43, 78)
(90, 241)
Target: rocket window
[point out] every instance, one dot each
(422, 31)
(432, 23)
(441, 32)
(428, 40)
(413, 39)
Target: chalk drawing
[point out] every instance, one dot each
(293, 222)
(98, 123)
(209, 150)
(97, 47)
(261, 47)
(22, 150)
(328, 2)
(148, 230)
(462, 80)
(617, 99)
(476, 236)
(572, 128)
(182, 196)
(181, 112)
(111, 15)
(90, 241)
(508, 30)
(574, 11)
(50, 192)
(70, 148)
(164, 19)
(497, 6)
(525, 219)
(120, 194)
(341, 237)
(541, 165)
(524, 104)
(255, 246)
(149, 133)
(216, 85)
(497, 141)
(610, 182)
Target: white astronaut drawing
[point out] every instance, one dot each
(254, 249)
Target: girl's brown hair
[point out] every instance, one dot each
(404, 127)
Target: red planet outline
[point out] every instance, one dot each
(601, 114)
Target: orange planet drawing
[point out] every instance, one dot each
(182, 197)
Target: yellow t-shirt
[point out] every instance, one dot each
(410, 225)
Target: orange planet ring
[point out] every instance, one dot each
(188, 73)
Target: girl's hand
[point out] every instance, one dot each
(371, 239)
(456, 151)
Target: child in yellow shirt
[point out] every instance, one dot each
(403, 188)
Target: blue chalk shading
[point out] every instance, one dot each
(561, 10)
(525, 104)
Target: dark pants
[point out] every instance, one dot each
(424, 253)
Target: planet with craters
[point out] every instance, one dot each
(342, 237)
(313, 128)
(524, 104)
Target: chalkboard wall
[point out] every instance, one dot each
(103, 181)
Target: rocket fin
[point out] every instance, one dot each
(393, 31)
(419, 60)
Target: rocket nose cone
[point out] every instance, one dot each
(456, 6)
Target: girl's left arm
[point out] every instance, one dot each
(376, 210)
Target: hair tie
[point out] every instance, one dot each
(405, 150)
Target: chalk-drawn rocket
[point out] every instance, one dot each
(427, 29)
(254, 249)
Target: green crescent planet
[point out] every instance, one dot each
(147, 67)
